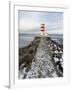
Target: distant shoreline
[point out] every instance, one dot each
(36, 34)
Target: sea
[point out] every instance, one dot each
(25, 39)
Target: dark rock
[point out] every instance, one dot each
(27, 53)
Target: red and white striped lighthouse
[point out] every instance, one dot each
(42, 30)
(42, 27)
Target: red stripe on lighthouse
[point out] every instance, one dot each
(43, 30)
(42, 27)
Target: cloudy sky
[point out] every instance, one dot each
(30, 21)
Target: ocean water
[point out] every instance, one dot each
(25, 39)
(57, 37)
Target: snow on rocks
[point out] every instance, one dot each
(57, 54)
(42, 66)
(22, 73)
(56, 51)
(56, 59)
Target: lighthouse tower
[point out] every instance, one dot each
(42, 30)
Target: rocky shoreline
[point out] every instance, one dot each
(27, 56)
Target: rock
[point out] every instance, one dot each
(58, 63)
(56, 51)
(56, 59)
(43, 67)
(41, 59)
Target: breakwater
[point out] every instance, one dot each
(40, 59)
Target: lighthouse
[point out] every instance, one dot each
(43, 31)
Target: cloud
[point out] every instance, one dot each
(31, 21)
(27, 24)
